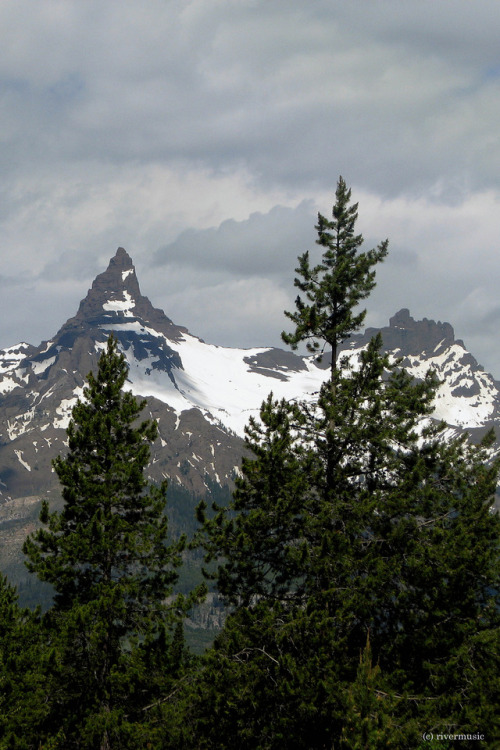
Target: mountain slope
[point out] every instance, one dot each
(202, 395)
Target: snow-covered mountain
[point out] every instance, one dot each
(468, 398)
(202, 395)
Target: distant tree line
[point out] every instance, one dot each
(358, 558)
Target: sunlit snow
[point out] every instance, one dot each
(7, 384)
(218, 381)
(224, 387)
(65, 409)
(39, 367)
(455, 373)
(124, 306)
(19, 455)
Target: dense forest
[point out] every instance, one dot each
(358, 560)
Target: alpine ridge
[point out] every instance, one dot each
(202, 395)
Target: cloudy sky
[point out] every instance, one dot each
(204, 135)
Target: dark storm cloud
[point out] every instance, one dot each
(264, 244)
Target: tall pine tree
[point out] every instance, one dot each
(353, 520)
(107, 557)
(335, 286)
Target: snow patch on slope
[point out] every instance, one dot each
(123, 306)
(465, 398)
(11, 357)
(218, 381)
(7, 384)
(19, 424)
(212, 378)
(65, 409)
(24, 463)
(40, 367)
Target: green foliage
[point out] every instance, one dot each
(354, 517)
(368, 724)
(359, 559)
(107, 557)
(268, 504)
(334, 287)
(23, 688)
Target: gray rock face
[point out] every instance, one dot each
(114, 292)
(409, 336)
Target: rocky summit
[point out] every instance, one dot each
(202, 395)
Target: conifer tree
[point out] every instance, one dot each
(367, 722)
(107, 558)
(268, 504)
(353, 517)
(335, 286)
(21, 684)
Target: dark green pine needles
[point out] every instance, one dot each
(359, 553)
(107, 558)
(336, 285)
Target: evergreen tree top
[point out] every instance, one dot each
(112, 517)
(333, 288)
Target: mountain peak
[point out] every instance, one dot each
(121, 260)
(122, 256)
(409, 336)
(113, 291)
(115, 302)
(414, 336)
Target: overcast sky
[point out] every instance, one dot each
(203, 136)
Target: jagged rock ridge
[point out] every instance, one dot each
(408, 336)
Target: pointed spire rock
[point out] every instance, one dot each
(113, 291)
(115, 299)
(121, 256)
(121, 268)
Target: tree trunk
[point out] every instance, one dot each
(330, 460)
